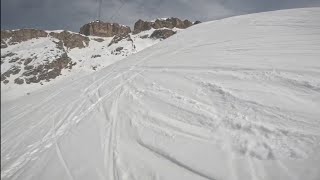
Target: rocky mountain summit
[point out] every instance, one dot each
(31, 56)
(104, 29)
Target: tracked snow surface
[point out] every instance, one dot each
(232, 99)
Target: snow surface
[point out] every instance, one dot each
(230, 99)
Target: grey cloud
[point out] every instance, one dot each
(71, 14)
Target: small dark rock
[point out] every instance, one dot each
(144, 36)
(96, 56)
(98, 39)
(196, 22)
(119, 49)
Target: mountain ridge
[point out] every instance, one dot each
(30, 56)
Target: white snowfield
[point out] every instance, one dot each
(232, 99)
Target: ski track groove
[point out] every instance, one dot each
(59, 153)
(113, 136)
(174, 161)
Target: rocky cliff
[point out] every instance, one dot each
(170, 23)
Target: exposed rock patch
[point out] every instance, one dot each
(98, 39)
(48, 71)
(3, 44)
(103, 29)
(162, 34)
(27, 61)
(119, 38)
(10, 54)
(18, 81)
(12, 71)
(71, 40)
(196, 22)
(96, 56)
(118, 49)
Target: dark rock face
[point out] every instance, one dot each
(141, 25)
(102, 29)
(170, 23)
(3, 44)
(71, 40)
(162, 34)
(196, 22)
(119, 38)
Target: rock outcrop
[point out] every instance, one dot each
(68, 39)
(170, 23)
(196, 22)
(47, 70)
(119, 38)
(103, 29)
(35, 74)
(71, 40)
(17, 36)
(162, 33)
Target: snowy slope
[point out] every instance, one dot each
(233, 99)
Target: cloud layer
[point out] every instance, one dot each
(72, 14)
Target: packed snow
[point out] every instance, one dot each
(232, 99)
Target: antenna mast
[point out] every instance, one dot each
(99, 10)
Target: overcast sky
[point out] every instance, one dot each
(72, 14)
